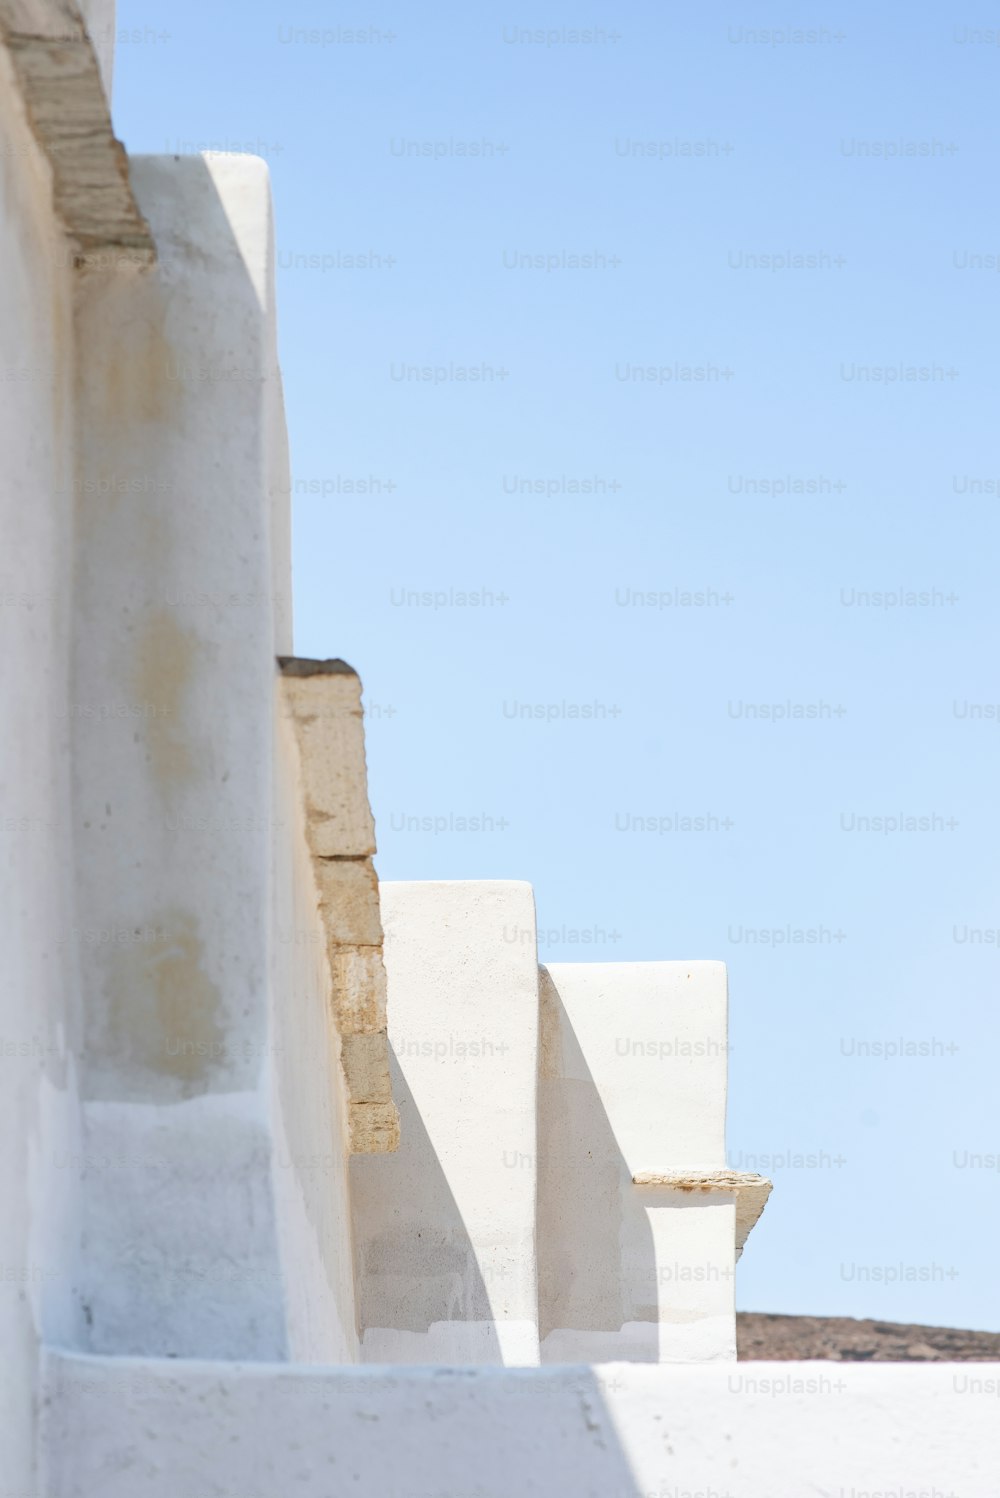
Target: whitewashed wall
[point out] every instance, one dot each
(633, 1080)
(309, 1158)
(445, 1227)
(210, 1067)
(509, 1228)
(172, 761)
(38, 1018)
(626, 1430)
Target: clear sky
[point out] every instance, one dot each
(726, 310)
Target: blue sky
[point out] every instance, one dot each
(711, 315)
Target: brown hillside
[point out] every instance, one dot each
(840, 1339)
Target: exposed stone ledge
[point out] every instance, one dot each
(323, 701)
(59, 78)
(751, 1192)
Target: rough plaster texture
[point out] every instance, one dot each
(161, 931)
(773, 1430)
(172, 754)
(39, 1120)
(633, 1071)
(210, 1064)
(444, 1228)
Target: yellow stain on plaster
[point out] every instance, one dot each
(166, 657)
(127, 385)
(136, 380)
(164, 1015)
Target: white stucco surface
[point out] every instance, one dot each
(633, 1072)
(634, 1025)
(759, 1430)
(173, 681)
(215, 1189)
(445, 1227)
(38, 993)
(309, 1159)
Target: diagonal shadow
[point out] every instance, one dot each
(416, 1263)
(597, 1268)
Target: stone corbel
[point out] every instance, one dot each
(751, 1191)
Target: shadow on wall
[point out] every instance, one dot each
(597, 1268)
(420, 1269)
(418, 1266)
(172, 703)
(390, 1432)
(169, 396)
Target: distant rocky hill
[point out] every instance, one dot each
(840, 1339)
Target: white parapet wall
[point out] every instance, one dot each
(39, 1122)
(176, 1124)
(125, 1428)
(177, 624)
(215, 1194)
(175, 1167)
(633, 1077)
(560, 1191)
(309, 1151)
(445, 1228)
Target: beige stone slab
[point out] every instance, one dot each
(374, 1128)
(359, 989)
(348, 901)
(366, 1067)
(323, 699)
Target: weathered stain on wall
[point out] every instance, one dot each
(166, 659)
(164, 1024)
(134, 380)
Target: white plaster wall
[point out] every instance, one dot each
(758, 1430)
(38, 1110)
(633, 1078)
(279, 489)
(177, 626)
(445, 1226)
(310, 1157)
(653, 1036)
